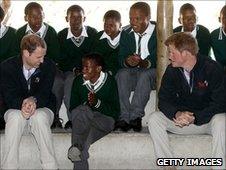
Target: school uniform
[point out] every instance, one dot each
(218, 43)
(90, 123)
(72, 50)
(202, 35)
(139, 80)
(7, 38)
(109, 50)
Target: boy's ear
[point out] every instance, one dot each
(84, 19)
(180, 20)
(26, 18)
(219, 19)
(99, 68)
(66, 19)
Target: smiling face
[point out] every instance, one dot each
(35, 18)
(188, 20)
(34, 59)
(91, 71)
(138, 20)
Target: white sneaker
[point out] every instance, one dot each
(74, 154)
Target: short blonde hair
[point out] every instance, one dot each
(183, 41)
(31, 42)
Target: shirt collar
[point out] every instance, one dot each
(114, 41)
(84, 33)
(41, 31)
(149, 29)
(2, 30)
(99, 81)
(193, 33)
(25, 71)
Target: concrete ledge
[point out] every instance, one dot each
(115, 151)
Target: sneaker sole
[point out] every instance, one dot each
(74, 154)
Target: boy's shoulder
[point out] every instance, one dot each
(91, 31)
(215, 33)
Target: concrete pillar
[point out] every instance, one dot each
(164, 29)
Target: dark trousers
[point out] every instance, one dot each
(87, 127)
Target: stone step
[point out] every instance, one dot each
(115, 151)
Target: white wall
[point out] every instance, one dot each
(55, 11)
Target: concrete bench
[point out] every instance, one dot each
(117, 150)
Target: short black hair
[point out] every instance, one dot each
(31, 6)
(186, 7)
(76, 8)
(143, 7)
(2, 13)
(223, 10)
(113, 14)
(96, 57)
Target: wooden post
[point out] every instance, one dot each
(164, 29)
(5, 6)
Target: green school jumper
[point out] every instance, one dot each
(107, 93)
(50, 37)
(203, 38)
(109, 53)
(218, 42)
(128, 46)
(72, 52)
(7, 43)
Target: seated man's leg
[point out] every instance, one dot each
(158, 130)
(40, 124)
(69, 77)
(15, 124)
(146, 79)
(126, 80)
(217, 124)
(159, 124)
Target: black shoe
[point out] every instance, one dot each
(123, 125)
(68, 125)
(136, 124)
(2, 124)
(57, 123)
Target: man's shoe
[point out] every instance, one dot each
(74, 154)
(136, 124)
(57, 123)
(68, 125)
(123, 125)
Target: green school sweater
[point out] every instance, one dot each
(219, 46)
(128, 46)
(7, 43)
(203, 38)
(109, 53)
(107, 93)
(72, 53)
(53, 48)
